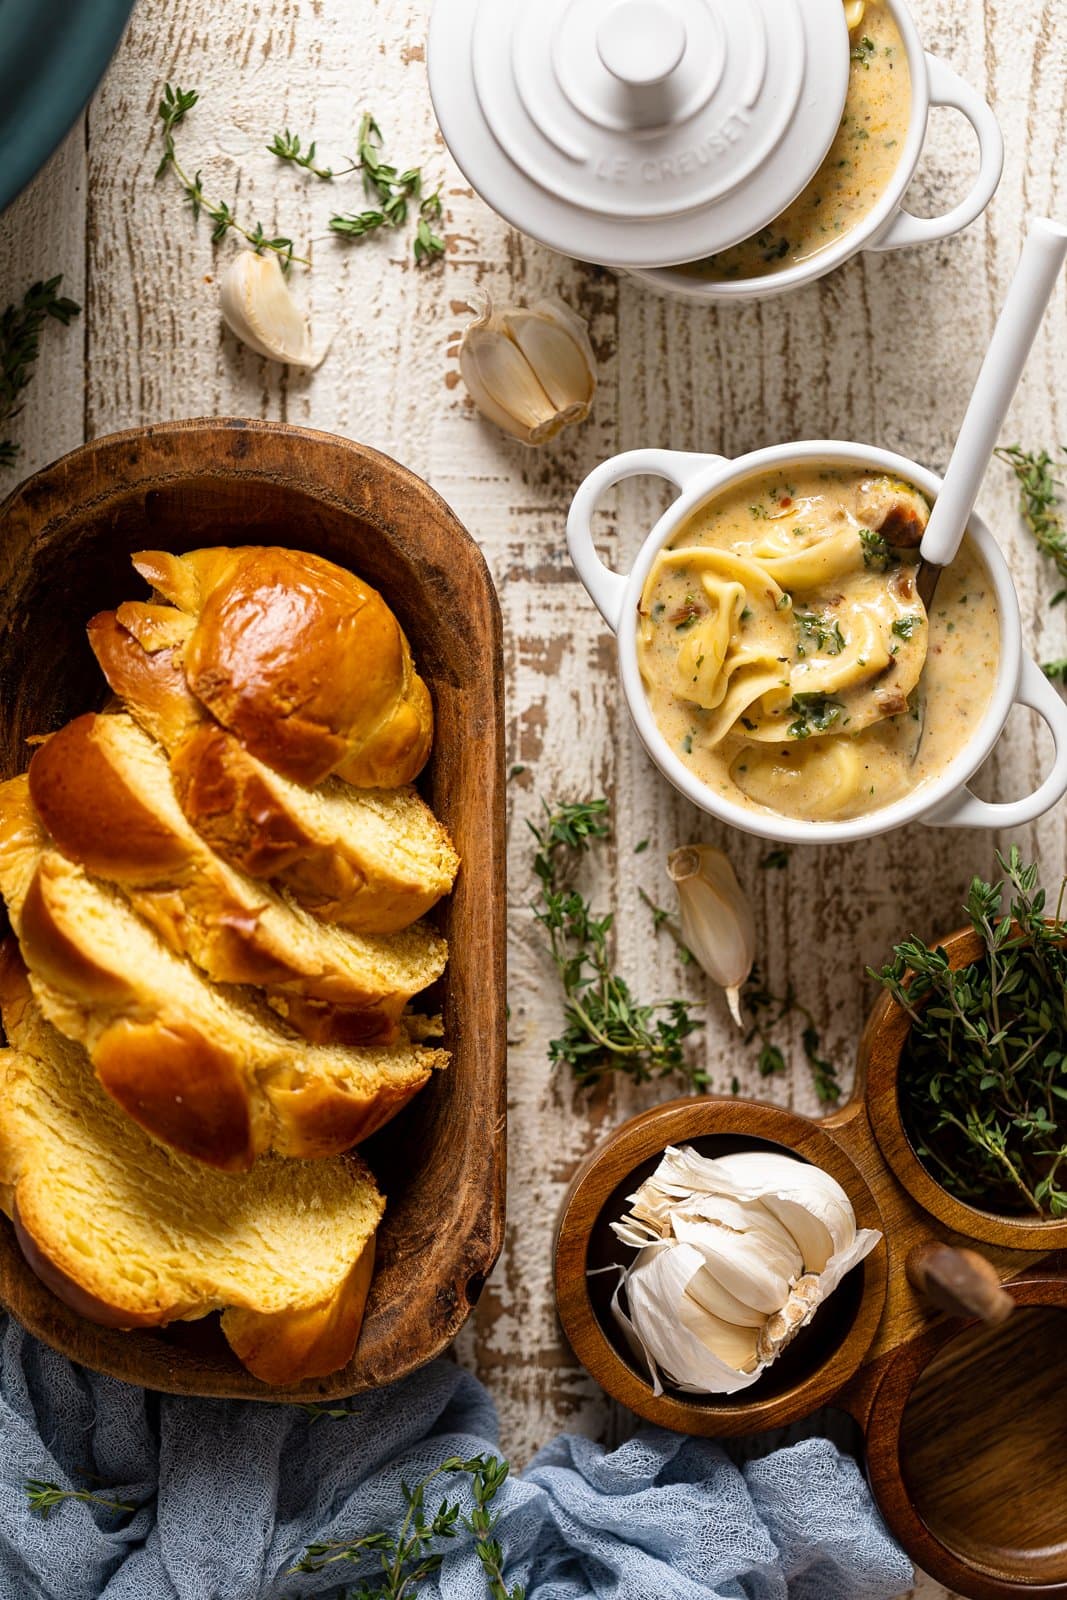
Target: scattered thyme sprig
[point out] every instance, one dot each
(395, 193)
(1041, 502)
(20, 334)
(43, 1497)
(173, 109)
(607, 1029)
(983, 1074)
(407, 1556)
(767, 1011)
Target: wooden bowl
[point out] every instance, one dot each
(819, 1361)
(881, 1046)
(967, 1449)
(65, 540)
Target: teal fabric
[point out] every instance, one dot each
(229, 1494)
(52, 56)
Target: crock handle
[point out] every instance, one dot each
(605, 587)
(947, 88)
(964, 809)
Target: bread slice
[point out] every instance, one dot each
(212, 1072)
(132, 1235)
(102, 787)
(373, 860)
(301, 659)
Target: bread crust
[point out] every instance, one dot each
(151, 682)
(300, 659)
(312, 1117)
(290, 1346)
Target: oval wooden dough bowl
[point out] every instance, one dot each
(965, 1422)
(65, 540)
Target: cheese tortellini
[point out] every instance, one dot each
(781, 639)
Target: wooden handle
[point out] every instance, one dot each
(958, 1281)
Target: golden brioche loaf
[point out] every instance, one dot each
(373, 860)
(212, 1072)
(301, 659)
(103, 790)
(133, 1235)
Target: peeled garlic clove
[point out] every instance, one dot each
(531, 371)
(716, 918)
(258, 307)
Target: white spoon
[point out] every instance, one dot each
(1040, 264)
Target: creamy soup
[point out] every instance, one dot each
(857, 171)
(788, 659)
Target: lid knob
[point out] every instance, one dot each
(641, 42)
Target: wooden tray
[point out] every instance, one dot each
(65, 539)
(965, 1426)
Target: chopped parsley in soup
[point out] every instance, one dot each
(856, 172)
(782, 639)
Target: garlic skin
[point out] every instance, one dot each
(716, 917)
(258, 307)
(530, 370)
(735, 1256)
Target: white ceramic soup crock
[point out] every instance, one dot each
(888, 226)
(945, 801)
(640, 134)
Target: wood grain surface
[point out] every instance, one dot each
(883, 351)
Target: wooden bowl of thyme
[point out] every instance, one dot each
(965, 1061)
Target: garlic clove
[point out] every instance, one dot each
(655, 1286)
(716, 917)
(558, 360)
(529, 370)
(736, 1346)
(258, 307)
(756, 1264)
(503, 385)
(708, 1292)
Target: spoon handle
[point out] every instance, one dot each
(1031, 289)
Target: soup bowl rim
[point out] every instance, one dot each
(702, 477)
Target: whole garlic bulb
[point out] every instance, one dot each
(259, 308)
(736, 1254)
(716, 918)
(530, 370)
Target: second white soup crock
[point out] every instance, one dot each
(946, 800)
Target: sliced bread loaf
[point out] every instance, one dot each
(212, 1072)
(132, 1235)
(102, 787)
(373, 860)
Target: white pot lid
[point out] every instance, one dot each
(639, 133)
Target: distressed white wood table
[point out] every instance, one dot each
(884, 351)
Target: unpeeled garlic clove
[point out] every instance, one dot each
(716, 918)
(258, 307)
(529, 370)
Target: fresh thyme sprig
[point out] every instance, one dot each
(43, 1497)
(1041, 497)
(767, 1011)
(407, 1557)
(173, 109)
(20, 334)
(607, 1029)
(983, 1074)
(288, 147)
(395, 192)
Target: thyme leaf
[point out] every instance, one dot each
(393, 193)
(288, 147)
(20, 334)
(983, 1075)
(607, 1028)
(767, 1011)
(1041, 502)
